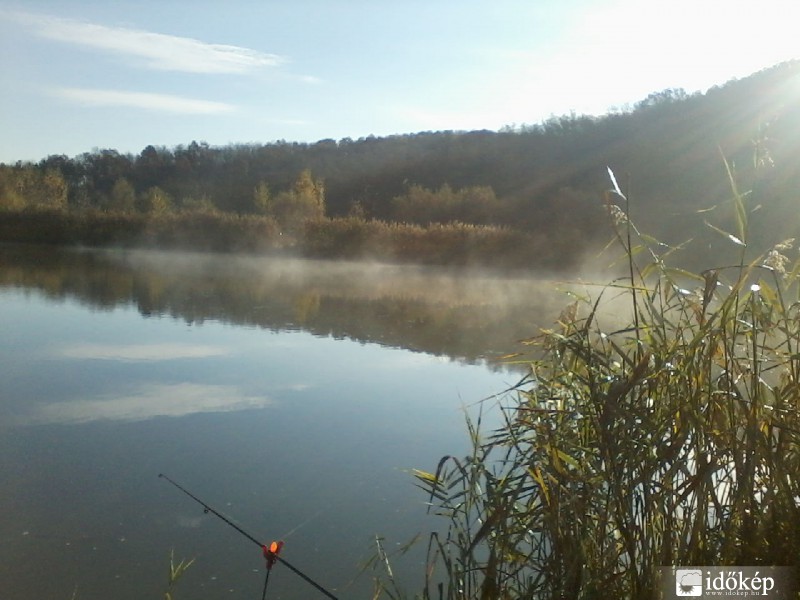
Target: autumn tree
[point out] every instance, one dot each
(262, 200)
(123, 196)
(202, 204)
(474, 204)
(27, 186)
(11, 196)
(305, 200)
(155, 201)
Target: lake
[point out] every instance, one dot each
(293, 396)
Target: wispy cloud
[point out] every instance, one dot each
(142, 100)
(152, 50)
(310, 79)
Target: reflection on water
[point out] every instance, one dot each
(468, 316)
(153, 400)
(281, 392)
(134, 352)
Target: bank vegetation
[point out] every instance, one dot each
(668, 437)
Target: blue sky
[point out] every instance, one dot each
(78, 75)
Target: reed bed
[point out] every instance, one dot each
(667, 437)
(457, 244)
(435, 243)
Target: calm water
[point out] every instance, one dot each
(291, 395)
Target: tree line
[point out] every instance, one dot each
(544, 180)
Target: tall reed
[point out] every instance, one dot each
(670, 437)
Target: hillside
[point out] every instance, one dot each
(545, 180)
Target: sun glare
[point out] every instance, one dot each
(618, 53)
(696, 44)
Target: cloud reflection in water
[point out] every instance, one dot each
(140, 352)
(151, 400)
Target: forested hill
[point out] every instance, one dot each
(546, 180)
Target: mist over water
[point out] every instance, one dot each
(466, 315)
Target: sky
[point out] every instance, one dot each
(83, 75)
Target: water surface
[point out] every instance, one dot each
(291, 395)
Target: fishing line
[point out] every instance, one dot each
(271, 552)
(303, 524)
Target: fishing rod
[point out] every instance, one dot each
(271, 552)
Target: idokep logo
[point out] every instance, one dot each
(688, 582)
(776, 583)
